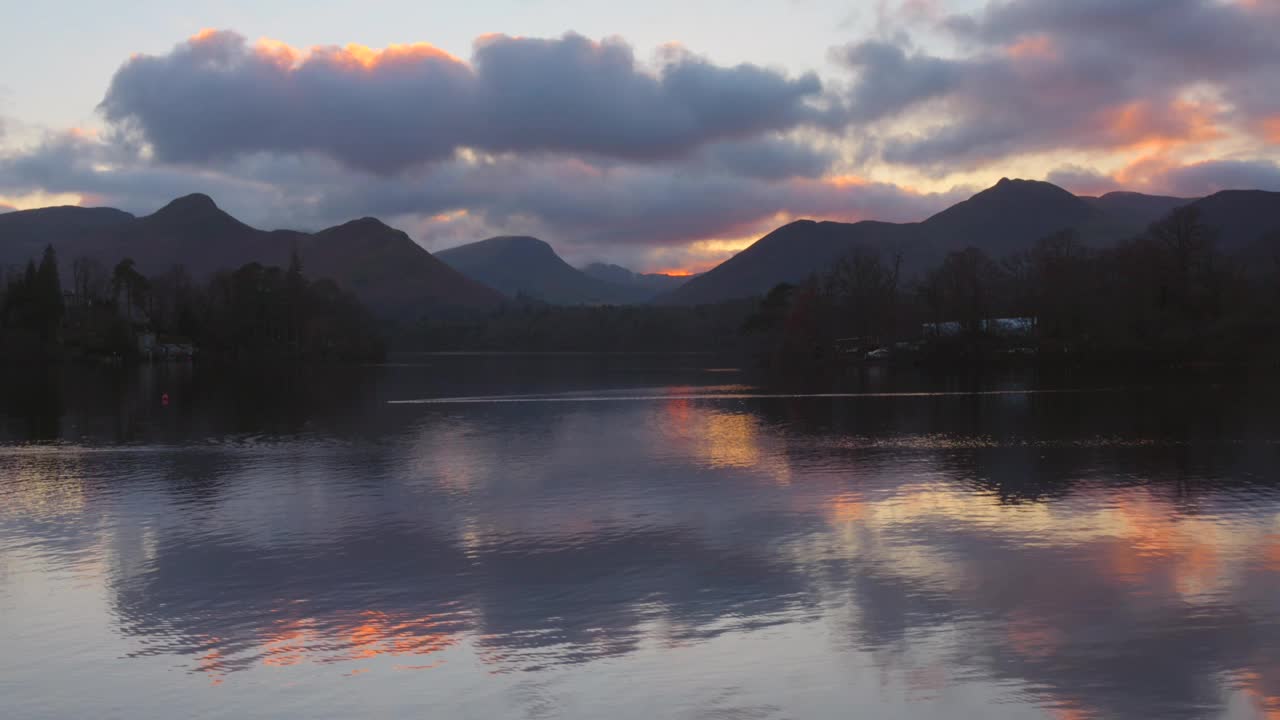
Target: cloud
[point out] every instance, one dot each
(103, 172)
(1037, 76)
(769, 158)
(1191, 180)
(891, 80)
(632, 207)
(622, 211)
(1209, 177)
(216, 96)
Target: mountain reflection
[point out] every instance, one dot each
(1094, 552)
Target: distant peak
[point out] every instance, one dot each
(197, 208)
(369, 223)
(189, 203)
(516, 240)
(1020, 186)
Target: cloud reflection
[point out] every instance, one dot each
(1134, 576)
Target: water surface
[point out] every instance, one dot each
(636, 537)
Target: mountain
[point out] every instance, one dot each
(1135, 209)
(381, 265)
(1007, 217)
(25, 233)
(790, 253)
(521, 265)
(653, 283)
(1242, 218)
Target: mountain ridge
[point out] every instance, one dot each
(387, 269)
(383, 266)
(522, 265)
(1009, 216)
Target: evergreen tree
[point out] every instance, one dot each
(46, 296)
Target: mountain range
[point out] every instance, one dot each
(526, 266)
(396, 276)
(653, 283)
(388, 271)
(1010, 216)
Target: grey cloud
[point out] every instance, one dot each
(630, 206)
(891, 81)
(104, 173)
(1082, 180)
(1194, 180)
(609, 210)
(215, 96)
(772, 158)
(1039, 75)
(1209, 177)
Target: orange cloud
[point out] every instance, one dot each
(368, 58)
(1033, 47)
(1271, 129)
(1145, 127)
(351, 55)
(204, 35)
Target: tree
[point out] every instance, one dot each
(963, 286)
(1060, 282)
(127, 281)
(49, 305)
(863, 288)
(89, 281)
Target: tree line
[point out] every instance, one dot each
(254, 312)
(1169, 292)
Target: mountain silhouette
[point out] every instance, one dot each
(652, 283)
(518, 265)
(1242, 218)
(394, 275)
(1005, 218)
(381, 265)
(1136, 209)
(25, 233)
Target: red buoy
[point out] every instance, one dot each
(164, 399)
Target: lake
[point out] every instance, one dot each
(575, 536)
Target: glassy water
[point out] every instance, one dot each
(636, 537)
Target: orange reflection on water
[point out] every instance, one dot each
(845, 508)
(1151, 540)
(44, 483)
(1255, 687)
(1032, 636)
(1271, 553)
(723, 438)
(362, 635)
(211, 663)
(1068, 712)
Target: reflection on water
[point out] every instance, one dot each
(890, 546)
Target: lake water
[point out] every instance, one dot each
(636, 537)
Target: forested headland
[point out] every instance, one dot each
(254, 313)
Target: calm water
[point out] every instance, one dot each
(651, 537)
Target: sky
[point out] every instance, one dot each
(661, 135)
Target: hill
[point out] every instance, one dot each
(387, 270)
(521, 265)
(653, 283)
(1242, 218)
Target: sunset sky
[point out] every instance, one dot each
(661, 135)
